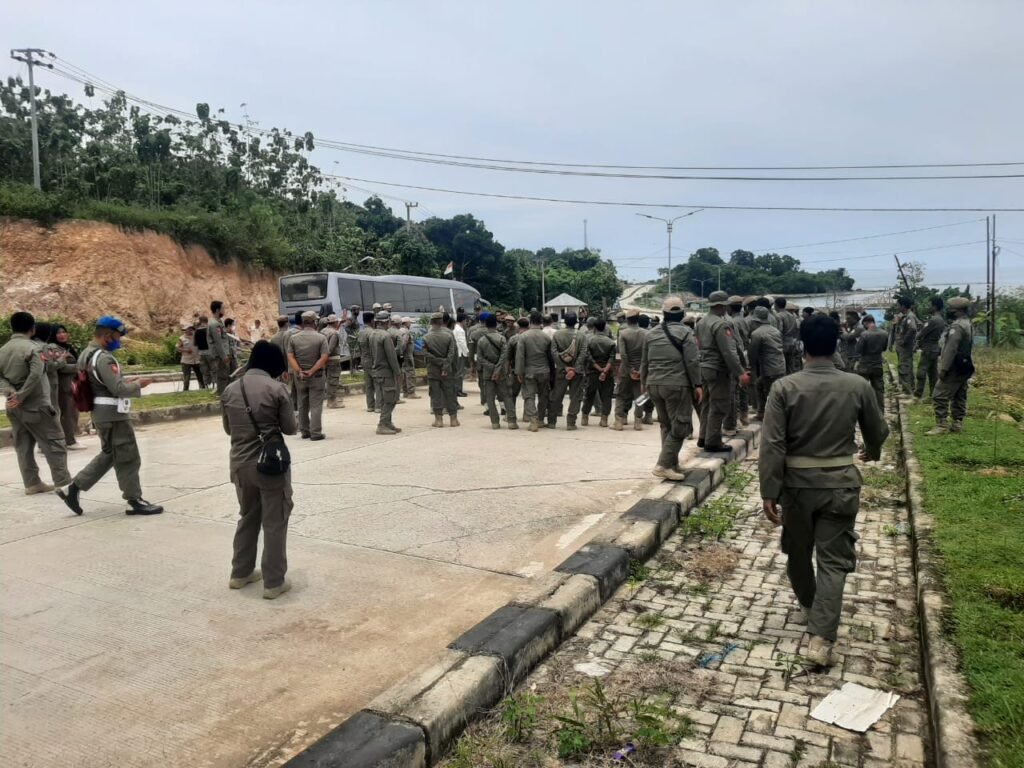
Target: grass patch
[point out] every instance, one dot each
(151, 402)
(979, 519)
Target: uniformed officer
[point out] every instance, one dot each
(33, 418)
(567, 352)
(928, 342)
(850, 333)
(387, 372)
(307, 357)
(218, 353)
(333, 333)
(790, 329)
(645, 413)
(765, 356)
(441, 353)
(280, 339)
(871, 346)
(408, 361)
(631, 350)
(472, 335)
(599, 358)
(533, 369)
(111, 414)
(233, 342)
(264, 501)
(904, 336)
(366, 358)
(955, 369)
(809, 482)
(514, 385)
(719, 364)
(741, 332)
(510, 327)
(670, 374)
(493, 365)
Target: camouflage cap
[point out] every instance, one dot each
(282, 318)
(333, 319)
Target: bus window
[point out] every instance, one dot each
(349, 292)
(390, 293)
(304, 288)
(367, 291)
(417, 299)
(439, 297)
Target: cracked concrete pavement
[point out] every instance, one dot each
(121, 644)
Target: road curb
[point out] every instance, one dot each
(954, 743)
(412, 724)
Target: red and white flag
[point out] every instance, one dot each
(450, 268)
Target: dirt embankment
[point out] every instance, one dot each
(80, 270)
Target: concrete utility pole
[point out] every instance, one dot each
(585, 246)
(28, 55)
(992, 314)
(408, 211)
(668, 227)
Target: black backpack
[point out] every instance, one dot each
(274, 458)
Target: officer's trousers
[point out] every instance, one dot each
(311, 393)
(599, 394)
(561, 386)
(715, 406)
(536, 394)
(39, 427)
(68, 411)
(764, 386)
(927, 371)
(675, 417)
(387, 389)
(370, 390)
(118, 449)
(950, 393)
(187, 369)
(792, 355)
(819, 523)
(219, 373)
(906, 367)
(629, 390)
(333, 382)
(204, 371)
(264, 501)
(496, 392)
(442, 396)
(731, 415)
(408, 378)
(876, 378)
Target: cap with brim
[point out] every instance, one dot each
(749, 300)
(437, 316)
(333, 319)
(111, 323)
(735, 299)
(791, 307)
(958, 302)
(382, 316)
(187, 326)
(718, 299)
(376, 305)
(672, 304)
(307, 316)
(761, 313)
(282, 318)
(632, 313)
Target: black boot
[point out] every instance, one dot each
(142, 507)
(71, 498)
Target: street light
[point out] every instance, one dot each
(705, 280)
(668, 227)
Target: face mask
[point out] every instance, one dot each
(113, 345)
(951, 316)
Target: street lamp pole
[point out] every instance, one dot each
(668, 228)
(705, 280)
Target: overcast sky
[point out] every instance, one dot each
(638, 83)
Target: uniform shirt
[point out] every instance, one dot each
(472, 337)
(790, 328)
(333, 340)
(599, 350)
(187, 348)
(661, 363)
(513, 345)
(23, 373)
(107, 381)
(440, 350)
(567, 341)
(929, 336)
(718, 345)
(215, 337)
(385, 357)
(271, 408)
(492, 355)
(741, 332)
(958, 339)
(848, 341)
(460, 340)
(533, 353)
(814, 413)
(904, 331)
(280, 340)
(405, 347)
(308, 346)
(870, 346)
(766, 354)
(363, 341)
(631, 348)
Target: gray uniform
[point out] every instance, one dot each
(951, 391)
(806, 462)
(631, 352)
(366, 356)
(513, 381)
(65, 401)
(493, 366)
(567, 352)
(670, 376)
(928, 342)
(738, 404)
(533, 364)
(118, 448)
(34, 421)
(333, 365)
(767, 359)
(308, 346)
(599, 353)
(870, 364)
(264, 501)
(719, 364)
(790, 328)
(441, 353)
(904, 335)
(405, 351)
(848, 346)
(386, 373)
(472, 337)
(218, 354)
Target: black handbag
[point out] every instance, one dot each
(274, 458)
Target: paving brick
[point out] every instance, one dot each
(694, 759)
(909, 747)
(729, 729)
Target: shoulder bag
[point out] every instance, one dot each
(274, 458)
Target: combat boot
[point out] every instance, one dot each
(585, 420)
(272, 593)
(940, 428)
(957, 426)
(332, 404)
(570, 423)
(648, 418)
(666, 473)
(438, 420)
(618, 424)
(413, 396)
(453, 421)
(255, 576)
(604, 421)
(638, 425)
(142, 507)
(819, 651)
(512, 423)
(39, 487)
(534, 426)
(386, 429)
(495, 425)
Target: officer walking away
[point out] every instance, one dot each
(493, 366)
(631, 350)
(366, 359)
(280, 339)
(533, 369)
(955, 369)
(258, 404)
(566, 349)
(307, 358)
(871, 346)
(33, 418)
(904, 334)
(765, 356)
(599, 358)
(441, 353)
(741, 333)
(112, 396)
(189, 356)
(332, 332)
(928, 342)
(645, 413)
(219, 352)
(790, 328)
(670, 374)
(810, 484)
(719, 365)
(387, 372)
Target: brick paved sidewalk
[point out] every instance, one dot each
(704, 642)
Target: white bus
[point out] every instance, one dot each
(334, 292)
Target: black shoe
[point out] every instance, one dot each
(71, 498)
(718, 449)
(700, 443)
(305, 436)
(551, 425)
(142, 507)
(461, 394)
(318, 437)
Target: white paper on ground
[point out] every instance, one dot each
(854, 707)
(592, 668)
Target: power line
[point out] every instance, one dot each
(895, 253)
(867, 237)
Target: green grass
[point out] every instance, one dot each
(973, 486)
(150, 402)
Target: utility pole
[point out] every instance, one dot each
(992, 314)
(28, 55)
(988, 271)
(668, 227)
(408, 212)
(585, 246)
(899, 266)
(543, 289)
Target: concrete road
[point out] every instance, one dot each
(122, 645)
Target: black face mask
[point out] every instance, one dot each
(951, 316)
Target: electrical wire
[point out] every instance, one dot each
(867, 237)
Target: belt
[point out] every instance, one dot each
(818, 462)
(105, 401)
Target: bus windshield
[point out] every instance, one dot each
(304, 287)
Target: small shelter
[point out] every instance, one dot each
(563, 303)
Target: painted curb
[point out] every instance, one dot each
(430, 708)
(954, 744)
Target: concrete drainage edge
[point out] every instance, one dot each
(412, 724)
(954, 743)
